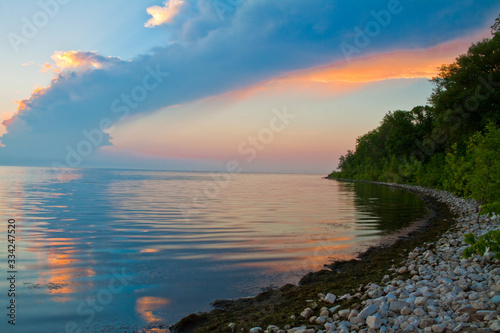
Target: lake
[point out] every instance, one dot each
(102, 250)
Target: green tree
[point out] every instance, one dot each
(475, 173)
(484, 180)
(466, 95)
(495, 28)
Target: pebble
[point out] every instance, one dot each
(330, 298)
(374, 322)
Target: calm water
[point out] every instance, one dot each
(117, 250)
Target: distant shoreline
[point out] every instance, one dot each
(275, 307)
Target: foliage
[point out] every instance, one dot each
(495, 28)
(466, 95)
(453, 143)
(475, 172)
(490, 209)
(484, 178)
(441, 145)
(478, 245)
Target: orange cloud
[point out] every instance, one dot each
(64, 61)
(399, 64)
(343, 76)
(166, 14)
(23, 104)
(81, 60)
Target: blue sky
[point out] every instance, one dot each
(187, 84)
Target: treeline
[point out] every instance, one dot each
(453, 143)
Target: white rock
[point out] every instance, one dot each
(272, 329)
(256, 330)
(344, 313)
(333, 309)
(374, 322)
(330, 298)
(396, 306)
(405, 311)
(420, 301)
(330, 327)
(419, 312)
(368, 311)
(307, 313)
(356, 320)
(495, 327)
(438, 328)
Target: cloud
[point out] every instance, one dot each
(259, 41)
(78, 61)
(397, 64)
(166, 14)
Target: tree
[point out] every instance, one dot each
(466, 95)
(495, 28)
(476, 173)
(484, 180)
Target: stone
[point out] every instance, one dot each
(495, 326)
(356, 320)
(353, 313)
(419, 312)
(344, 313)
(465, 317)
(405, 311)
(495, 300)
(438, 328)
(330, 298)
(343, 329)
(330, 327)
(300, 330)
(307, 313)
(346, 296)
(396, 306)
(333, 309)
(368, 311)
(374, 322)
(272, 329)
(426, 322)
(256, 330)
(420, 301)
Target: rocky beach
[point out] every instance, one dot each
(433, 289)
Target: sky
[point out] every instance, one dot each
(219, 85)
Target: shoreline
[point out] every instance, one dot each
(284, 305)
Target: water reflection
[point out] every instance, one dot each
(147, 306)
(382, 211)
(77, 231)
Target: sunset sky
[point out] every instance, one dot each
(277, 86)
